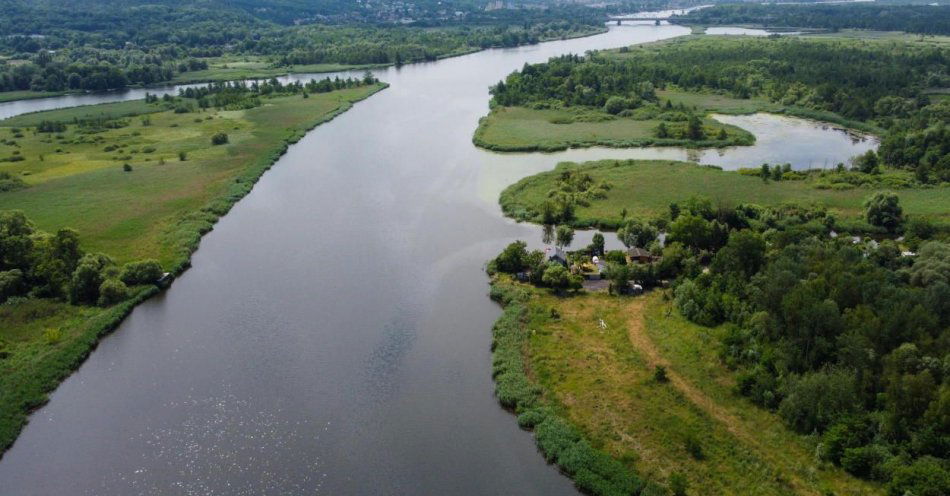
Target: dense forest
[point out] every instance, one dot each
(848, 341)
(97, 45)
(874, 83)
(923, 19)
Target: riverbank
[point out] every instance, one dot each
(144, 188)
(581, 371)
(645, 189)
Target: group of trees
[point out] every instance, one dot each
(41, 265)
(240, 95)
(882, 84)
(847, 340)
(923, 19)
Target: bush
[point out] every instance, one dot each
(127, 168)
(678, 484)
(659, 374)
(925, 477)
(865, 461)
(112, 291)
(142, 272)
(182, 156)
(220, 138)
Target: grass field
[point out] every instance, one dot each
(602, 380)
(158, 210)
(75, 182)
(9, 96)
(524, 129)
(645, 188)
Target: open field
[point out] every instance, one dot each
(74, 181)
(601, 379)
(645, 188)
(524, 129)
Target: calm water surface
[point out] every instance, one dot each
(333, 333)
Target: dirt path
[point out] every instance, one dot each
(641, 341)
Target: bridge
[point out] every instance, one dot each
(654, 19)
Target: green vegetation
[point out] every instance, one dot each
(780, 362)
(645, 188)
(525, 129)
(51, 47)
(883, 86)
(924, 19)
(646, 390)
(59, 293)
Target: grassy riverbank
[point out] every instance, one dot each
(523, 129)
(600, 382)
(645, 188)
(158, 207)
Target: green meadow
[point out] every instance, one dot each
(525, 129)
(645, 188)
(600, 378)
(78, 180)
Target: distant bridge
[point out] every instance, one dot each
(654, 19)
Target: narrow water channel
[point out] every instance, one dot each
(333, 334)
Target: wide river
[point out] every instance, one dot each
(333, 334)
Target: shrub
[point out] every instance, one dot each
(142, 272)
(112, 291)
(182, 156)
(678, 484)
(659, 374)
(865, 461)
(694, 448)
(925, 477)
(220, 138)
(53, 336)
(126, 167)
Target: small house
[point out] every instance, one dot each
(640, 255)
(560, 256)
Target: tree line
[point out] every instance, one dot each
(922, 19)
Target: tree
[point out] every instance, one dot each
(867, 162)
(694, 128)
(619, 276)
(512, 259)
(744, 253)
(87, 278)
(597, 243)
(884, 210)
(559, 278)
(142, 272)
(723, 135)
(564, 235)
(636, 233)
(112, 291)
(615, 105)
(662, 131)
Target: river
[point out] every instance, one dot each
(333, 334)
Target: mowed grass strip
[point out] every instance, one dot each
(75, 182)
(603, 382)
(645, 188)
